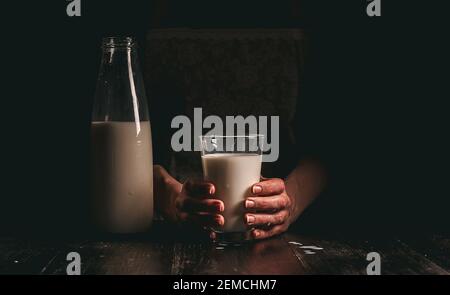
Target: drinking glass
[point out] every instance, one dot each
(233, 165)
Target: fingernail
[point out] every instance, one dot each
(257, 189)
(249, 204)
(211, 190)
(256, 233)
(220, 207)
(250, 219)
(219, 221)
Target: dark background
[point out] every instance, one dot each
(380, 82)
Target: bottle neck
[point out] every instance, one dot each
(120, 52)
(119, 57)
(118, 42)
(120, 93)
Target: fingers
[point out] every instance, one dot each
(199, 189)
(268, 203)
(212, 235)
(203, 219)
(265, 219)
(200, 205)
(196, 205)
(272, 231)
(270, 187)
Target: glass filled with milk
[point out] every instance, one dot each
(122, 168)
(233, 165)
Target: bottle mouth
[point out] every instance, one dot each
(118, 42)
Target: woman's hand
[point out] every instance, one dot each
(272, 207)
(188, 203)
(195, 205)
(269, 208)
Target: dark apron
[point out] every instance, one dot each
(225, 72)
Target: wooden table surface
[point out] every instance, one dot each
(166, 250)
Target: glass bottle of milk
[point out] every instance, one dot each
(122, 168)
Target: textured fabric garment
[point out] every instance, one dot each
(226, 73)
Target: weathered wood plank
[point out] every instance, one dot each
(399, 258)
(434, 247)
(348, 256)
(116, 257)
(265, 257)
(169, 250)
(326, 256)
(25, 257)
